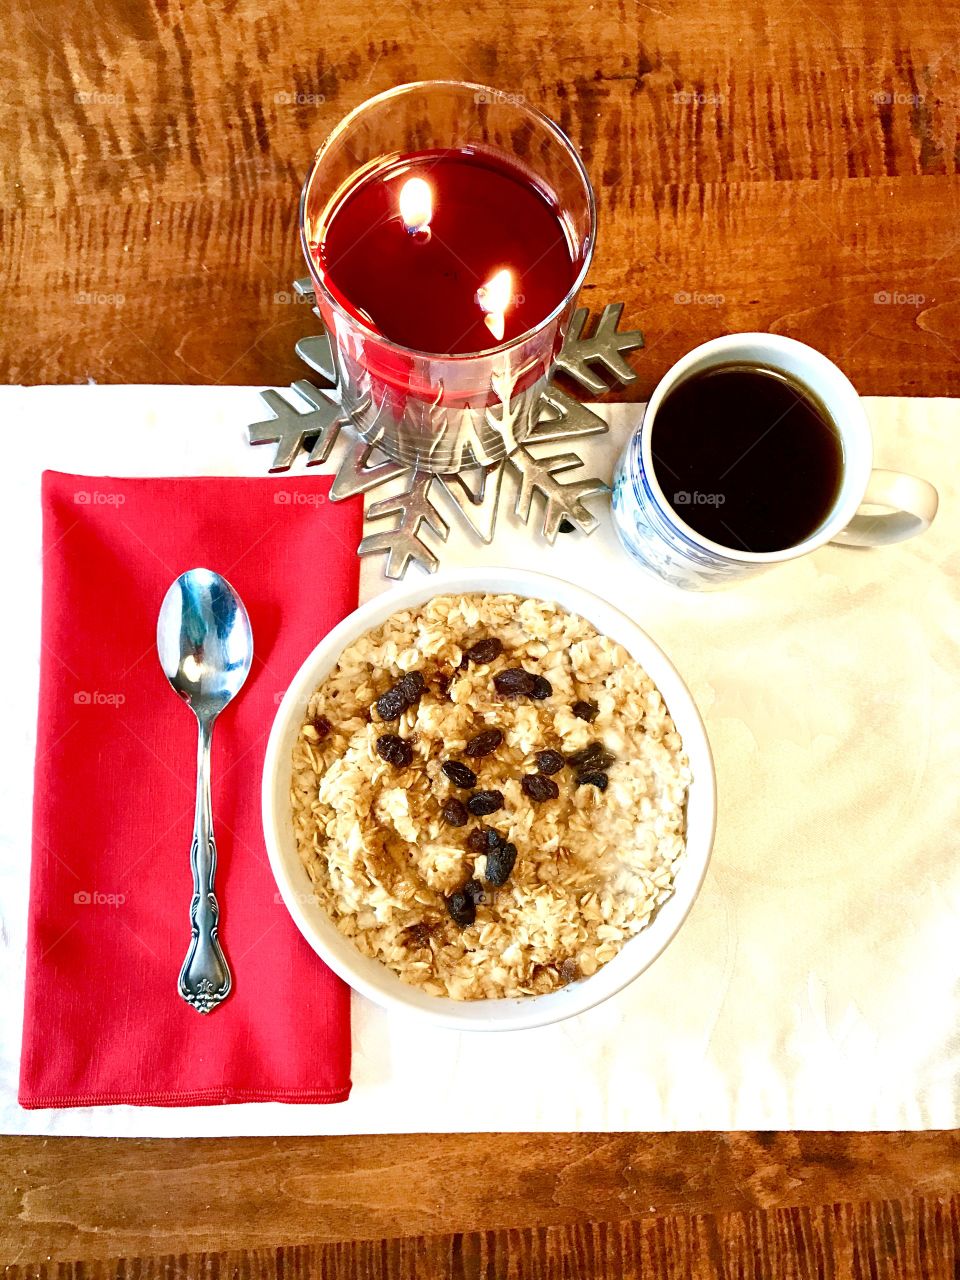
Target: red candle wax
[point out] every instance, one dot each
(419, 288)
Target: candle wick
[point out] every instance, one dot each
(416, 208)
(495, 297)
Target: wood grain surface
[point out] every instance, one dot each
(889, 1238)
(791, 165)
(678, 1200)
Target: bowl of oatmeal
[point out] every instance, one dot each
(488, 799)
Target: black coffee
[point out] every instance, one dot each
(746, 457)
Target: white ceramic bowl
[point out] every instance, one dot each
(374, 979)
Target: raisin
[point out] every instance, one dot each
(454, 812)
(483, 839)
(483, 802)
(593, 778)
(407, 692)
(569, 970)
(483, 743)
(460, 774)
(412, 686)
(499, 864)
(418, 935)
(548, 761)
(539, 788)
(474, 890)
(394, 750)
(592, 756)
(464, 663)
(565, 526)
(462, 908)
(392, 704)
(485, 650)
(444, 682)
(323, 727)
(586, 710)
(513, 681)
(542, 688)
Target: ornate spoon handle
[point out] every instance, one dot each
(205, 978)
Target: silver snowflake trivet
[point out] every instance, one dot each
(312, 421)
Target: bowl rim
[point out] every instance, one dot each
(508, 1013)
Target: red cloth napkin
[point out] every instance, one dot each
(114, 792)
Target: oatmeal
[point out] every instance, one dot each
(488, 796)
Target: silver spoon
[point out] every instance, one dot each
(205, 647)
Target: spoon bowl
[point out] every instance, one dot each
(204, 641)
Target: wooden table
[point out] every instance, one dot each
(790, 166)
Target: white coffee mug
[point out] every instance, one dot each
(658, 538)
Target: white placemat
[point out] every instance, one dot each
(816, 984)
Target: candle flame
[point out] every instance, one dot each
(416, 205)
(494, 298)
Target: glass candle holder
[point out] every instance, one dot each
(503, 169)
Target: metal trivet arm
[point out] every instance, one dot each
(313, 421)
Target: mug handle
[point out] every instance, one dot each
(911, 505)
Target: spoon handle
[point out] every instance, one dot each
(204, 979)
